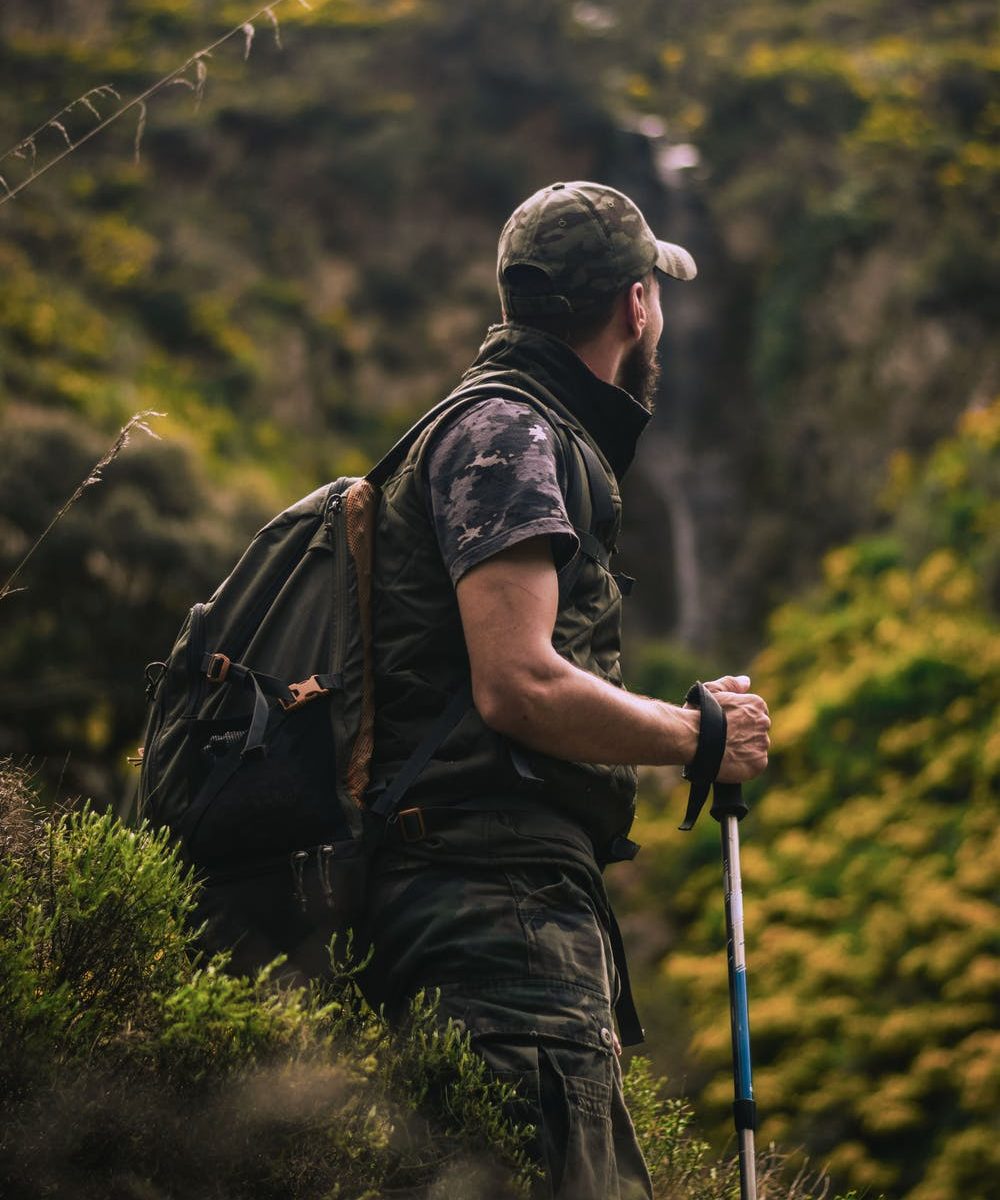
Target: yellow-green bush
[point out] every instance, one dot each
(872, 856)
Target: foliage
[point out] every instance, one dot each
(680, 1163)
(271, 274)
(301, 259)
(127, 1062)
(106, 591)
(848, 159)
(871, 857)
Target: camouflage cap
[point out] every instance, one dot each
(588, 240)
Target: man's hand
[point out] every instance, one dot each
(747, 723)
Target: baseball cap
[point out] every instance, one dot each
(588, 240)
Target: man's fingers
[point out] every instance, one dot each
(747, 740)
(729, 683)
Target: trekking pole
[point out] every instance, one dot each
(728, 808)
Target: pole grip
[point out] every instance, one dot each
(727, 801)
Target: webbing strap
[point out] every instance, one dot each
(630, 1029)
(703, 768)
(258, 722)
(240, 673)
(600, 494)
(456, 708)
(593, 548)
(601, 509)
(479, 390)
(263, 686)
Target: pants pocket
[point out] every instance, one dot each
(563, 936)
(575, 1089)
(565, 1091)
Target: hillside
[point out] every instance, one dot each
(871, 855)
(290, 253)
(301, 260)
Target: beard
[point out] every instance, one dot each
(639, 372)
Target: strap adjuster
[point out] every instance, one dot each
(411, 824)
(302, 693)
(217, 668)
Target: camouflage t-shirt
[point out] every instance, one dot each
(497, 477)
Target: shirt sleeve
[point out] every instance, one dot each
(496, 477)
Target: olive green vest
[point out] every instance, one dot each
(420, 658)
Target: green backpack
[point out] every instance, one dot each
(260, 733)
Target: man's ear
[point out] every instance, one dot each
(636, 309)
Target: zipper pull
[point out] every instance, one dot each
(298, 865)
(323, 856)
(333, 507)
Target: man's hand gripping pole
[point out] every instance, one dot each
(728, 808)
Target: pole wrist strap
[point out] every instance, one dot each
(703, 768)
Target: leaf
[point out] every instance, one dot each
(26, 145)
(62, 129)
(140, 129)
(201, 73)
(277, 28)
(248, 32)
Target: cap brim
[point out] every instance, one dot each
(675, 261)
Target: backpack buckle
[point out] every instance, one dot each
(217, 668)
(410, 823)
(302, 693)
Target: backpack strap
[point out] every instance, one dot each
(459, 704)
(394, 456)
(590, 509)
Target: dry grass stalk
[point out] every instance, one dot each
(138, 421)
(27, 146)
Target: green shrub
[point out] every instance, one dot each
(130, 1067)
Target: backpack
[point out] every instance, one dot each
(259, 737)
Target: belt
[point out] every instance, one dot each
(411, 826)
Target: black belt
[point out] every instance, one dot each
(413, 825)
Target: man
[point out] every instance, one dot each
(492, 567)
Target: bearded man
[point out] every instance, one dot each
(496, 604)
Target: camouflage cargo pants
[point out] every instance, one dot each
(503, 916)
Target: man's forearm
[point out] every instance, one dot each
(570, 714)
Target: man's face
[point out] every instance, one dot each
(639, 373)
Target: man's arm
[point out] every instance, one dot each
(526, 691)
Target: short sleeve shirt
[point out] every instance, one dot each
(497, 477)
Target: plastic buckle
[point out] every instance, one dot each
(218, 668)
(302, 693)
(411, 824)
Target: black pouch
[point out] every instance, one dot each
(252, 807)
(293, 905)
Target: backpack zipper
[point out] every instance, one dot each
(195, 650)
(336, 527)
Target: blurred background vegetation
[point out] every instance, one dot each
(301, 260)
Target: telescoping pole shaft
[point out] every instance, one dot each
(744, 1106)
(728, 808)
